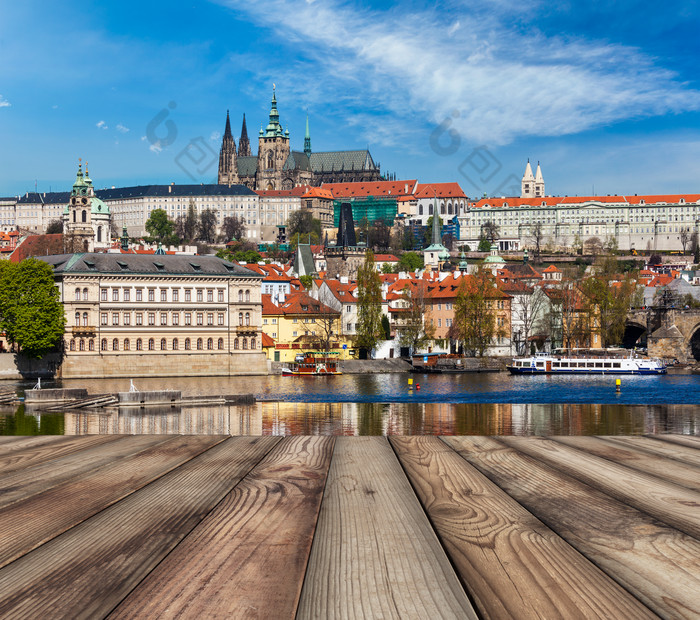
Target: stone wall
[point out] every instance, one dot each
(170, 365)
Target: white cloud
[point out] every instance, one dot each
(101, 125)
(155, 147)
(505, 82)
(122, 129)
(215, 136)
(4, 103)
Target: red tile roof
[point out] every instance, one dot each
(376, 188)
(267, 341)
(38, 245)
(442, 190)
(385, 258)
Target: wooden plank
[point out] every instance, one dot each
(23, 459)
(86, 572)
(658, 466)
(29, 523)
(22, 442)
(670, 503)
(512, 564)
(247, 558)
(375, 554)
(690, 441)
(654, 562)
(669, 450)
(20, 485)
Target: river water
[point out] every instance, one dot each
(487, 403)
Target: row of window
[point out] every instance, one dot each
(125, 318)
(238, 343)
(125, 294)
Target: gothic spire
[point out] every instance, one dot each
(274, 129)
(227, 131)
(436, 225)
(244, 142)
(307, 138)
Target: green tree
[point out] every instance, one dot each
(161, 228)
(410, 261)
(484, 245)
(415, 327)
(609, 300)
(369, 304)
(187, 225)
(428, 232)
(307, 281)
(31, 314)
(303, 223)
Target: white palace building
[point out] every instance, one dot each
(634, 222)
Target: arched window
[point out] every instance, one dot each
(240, 296)
(247, 318)
(270, 160)
(115, 345)
(235, 343)
(74, 220)
(210, 344)
(84, 216)
(151, 344)
(139, 344)
(91, 345)
(77, 319)
(187, 344)
(252, 343)
(199, 344)
(176, 344)
(163, 344)
(103, 344)
(240, 318)
(449, 208)
(221, 343)
(85, 319)
(82, 345)
(430, 209)
(72, 345)
(247, 295)
(85, 294)
(442, 208)
(77, 294)
(420, 209)
(99, 234)
(245, 343)
(126, 344)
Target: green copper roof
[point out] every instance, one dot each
(274, 129)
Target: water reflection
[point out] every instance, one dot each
(343, 418)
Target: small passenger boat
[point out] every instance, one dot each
(585, 364)
(313, 363)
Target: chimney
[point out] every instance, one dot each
(281, 297)
(405, 188)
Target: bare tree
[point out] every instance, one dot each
(327, 322)
(416, 328)
(233, 227)
(537, 235)
(207, 225)
(593, 246)
(685, 237)
(527, 311)
(491, 231)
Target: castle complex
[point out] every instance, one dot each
(277, 167)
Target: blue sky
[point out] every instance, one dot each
(605, 95)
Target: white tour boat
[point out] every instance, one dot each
(586, 364)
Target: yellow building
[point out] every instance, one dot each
(301, 323)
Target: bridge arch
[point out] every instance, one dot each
(694, 342)
(635, 334)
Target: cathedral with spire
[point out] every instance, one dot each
(277, 167)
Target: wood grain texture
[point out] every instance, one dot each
(88, 570)
(512, 564)
(689, 441)
(248, 557)
(375, 554)
(28, 523)
(22, 484)
(671, 451)
(670, 503)
(666, 469)
(22, 442)
(654, 562)
(35, 455)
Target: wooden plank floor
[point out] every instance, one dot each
(350, 527)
